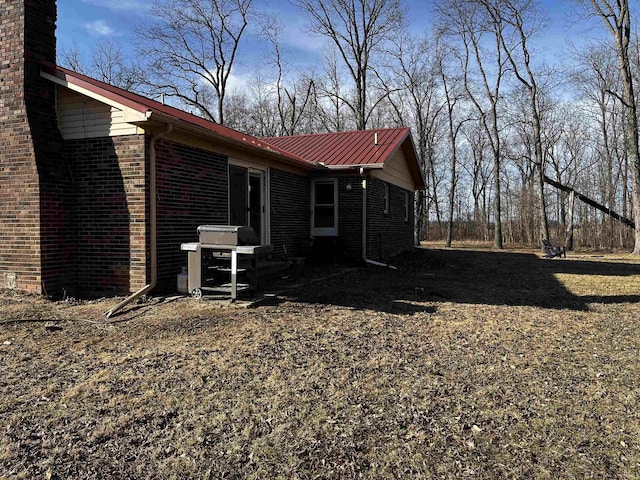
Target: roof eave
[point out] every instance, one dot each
(133, 111)
(141, 115)
(263, 148)
(418, 181)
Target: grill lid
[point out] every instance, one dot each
(227, 235)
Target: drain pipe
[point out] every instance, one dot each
(364, 215)
(153, 238)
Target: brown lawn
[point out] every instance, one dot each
(463, 363)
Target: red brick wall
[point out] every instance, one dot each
(27, 118)
(290, 213)
(387, 234)
(109, 212)
(192, 190)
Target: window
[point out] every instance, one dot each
(406, 206)
(386, 198)
(324, 200)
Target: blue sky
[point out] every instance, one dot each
(84, 22)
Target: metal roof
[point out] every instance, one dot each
(333, 150)
(153, 109)
(355, 148)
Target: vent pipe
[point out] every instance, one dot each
(375, 139)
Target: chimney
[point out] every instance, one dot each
(30, 143)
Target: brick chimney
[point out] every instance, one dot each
(32, 179)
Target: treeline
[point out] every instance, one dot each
(491, 111)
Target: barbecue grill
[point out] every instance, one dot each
(223, 255)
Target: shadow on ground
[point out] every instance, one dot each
(464, 276)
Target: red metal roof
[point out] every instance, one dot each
(147, 106)
(355, 148)
(334, 150)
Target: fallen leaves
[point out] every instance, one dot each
(372, 374)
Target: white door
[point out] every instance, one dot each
(324, 207)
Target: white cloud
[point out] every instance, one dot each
(238, 83)
(99, 28)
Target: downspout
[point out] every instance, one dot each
(153, 238)
(364, 215)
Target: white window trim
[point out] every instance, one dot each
(324, 231)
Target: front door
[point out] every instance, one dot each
(324, 207)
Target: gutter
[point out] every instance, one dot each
(364, 214)
(362, 166)
(153, 237)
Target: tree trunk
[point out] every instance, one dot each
(619, 23)
(539, 169)
(497, 207)
(568, 241)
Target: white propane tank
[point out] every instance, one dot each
(183, 281)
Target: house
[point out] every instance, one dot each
(99, 186)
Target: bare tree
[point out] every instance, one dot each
(69, 56)
(482, 62)
(479, 171)
(358, 29)
(330, 100)
(414, 95)
(453, 95)
(597, 80)
(515, 22)
(617, 18)
(107, 63)
(192, 47)
(293, 98)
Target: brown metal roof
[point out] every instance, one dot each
(356, 148)
(153, 108)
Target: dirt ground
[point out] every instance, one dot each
(462, 363)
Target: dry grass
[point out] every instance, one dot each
(463, 363)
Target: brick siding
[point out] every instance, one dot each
(350, 216)
(290, 216)
(32, 177)
(74, 214)
(192, 189)
(109, 208)
(388, 234)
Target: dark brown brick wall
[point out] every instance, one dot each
(290, 213)
(192, 190)
(350, 216)
(33, 181)
(387, 234)
(109, 213)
